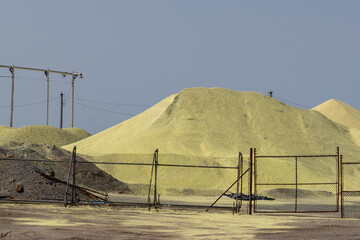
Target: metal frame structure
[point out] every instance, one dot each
(74, 75)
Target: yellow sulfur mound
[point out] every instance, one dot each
(344, 114)
(209, 126)
(220, 122)
(41, 135)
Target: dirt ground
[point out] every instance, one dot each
(31, 221)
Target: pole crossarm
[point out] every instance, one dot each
(42, 70)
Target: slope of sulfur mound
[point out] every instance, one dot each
(344, 114)
(41, 135)
(219, 122)
(340, 112)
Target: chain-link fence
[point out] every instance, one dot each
(350, 189)
(129, 179)
(296, 183)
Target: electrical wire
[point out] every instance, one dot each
(104, 110)
(30, 104)
(5, 76)
(40, 79)
(292, 103)
(86, 113)
(117, 104)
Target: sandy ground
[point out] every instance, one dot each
(30, 221)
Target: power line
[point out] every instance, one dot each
(30, 104)
(5, 76)
(117, 104)
(87, 115)
(292, 103)
(40, 79)
(105, 110)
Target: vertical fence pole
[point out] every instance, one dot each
(296, 183)
(255, 177)
(68, 180)
(250, 181)
(151, 175)
(155, 182)
(342, 186)
(73, 191)
(241, 180)
(337, 178)
(237, 206)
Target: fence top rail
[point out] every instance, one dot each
(116, 163)
(356, 163)
(295, 156)
(160, 165)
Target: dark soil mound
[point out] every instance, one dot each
(25, 179)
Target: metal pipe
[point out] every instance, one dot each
(250, 181)
(296, 183)
(41, 70)
(227, 189)
(342, 187)
(337, 177)
(155, 182)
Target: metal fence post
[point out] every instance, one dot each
(250, 180)
(155, 182)
(68, 180)
(296, 183)
(338, 178)
(73, 191)
(342, 186)
(237, 204)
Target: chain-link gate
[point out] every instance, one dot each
(291, 184)
(350, 189)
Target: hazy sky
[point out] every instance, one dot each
(139, 52)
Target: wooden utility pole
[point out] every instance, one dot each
(47, 97)
(73, 97)
(12, 70)
(61, 110)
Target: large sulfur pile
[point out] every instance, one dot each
(41, 135)
(344, 114)
(220, 122)
(210, 126)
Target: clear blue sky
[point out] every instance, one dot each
(139, 52)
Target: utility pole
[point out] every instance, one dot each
(47, 97)
(47, 72)
(73, 96)
(61, 110)
(12, 70)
